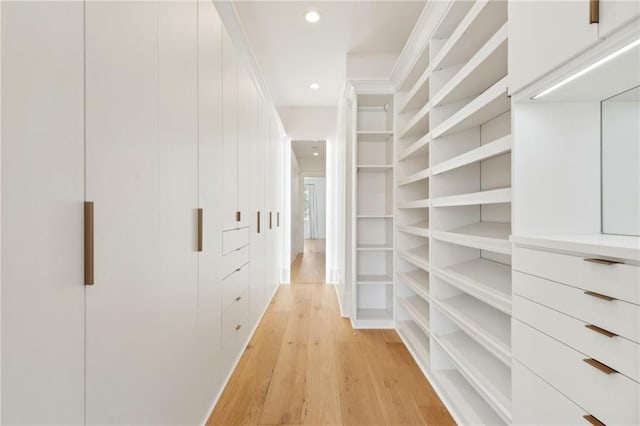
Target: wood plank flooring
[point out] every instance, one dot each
(305, 365)
(309, 266)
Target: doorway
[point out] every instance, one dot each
(308, 212)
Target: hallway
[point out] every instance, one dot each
(306, 365)
(309, 266)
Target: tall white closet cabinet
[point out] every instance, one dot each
(146, 110)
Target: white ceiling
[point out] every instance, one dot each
(304, 149)
(292, 53)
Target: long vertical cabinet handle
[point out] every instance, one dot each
(258, 228)
(88, 243)
(200, 224)
(594, 11)
(270, 220)
(278, 219)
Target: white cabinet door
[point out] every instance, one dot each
(210, 192)
(229, 133)
(245, 98)
(42, 213)
(545, 34)
(616, 13)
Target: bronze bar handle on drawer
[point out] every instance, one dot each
(88, 243)
(600, 330)
(600, 366)
(258, 222)
(238, 298)
(238, 216)
(200, 219)
(591, 419)
(270, 220)
(599, 295)
(238, 327)
(594, 11)
(602, 261)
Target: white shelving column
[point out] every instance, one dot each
(372, 224)
(453, 206)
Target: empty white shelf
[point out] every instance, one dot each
(375, 136)
(418, 309)
(487, 325)
(418, 124)
(490, 377)
(374, 280)
(484, 152)
(416, 204)
(489, 104)
(415, 177)
(418, 256)
(373, 168)
(419, 147)
(486, 67)
(418, 281)
(492, 236)
(421, 229)
(415, 339)
(419, 93)
(374, 314)
(374, 216)
(374, 247)
(466, 405)
(493, 196)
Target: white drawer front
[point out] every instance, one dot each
(619, 280)
(234, 239)
(234, 260)
(622, 318)
(234, 326)
(616, 352)
(234, 286)
(537, 403)
(612, 398)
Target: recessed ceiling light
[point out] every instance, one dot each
(314, 86)
(312, 16)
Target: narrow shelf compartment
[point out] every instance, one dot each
(415, 177)
(489, 104)
(492, 236)
(419, 93)
(374, 247)
(418, 124)
(488, 326)
(419, 147)
(490, 377)
(485, 152)
(487, 280)
(374, 216)
(418, 256)
(486, 67)
(493, 196)
(416, 204)
(375, 136)
(418, 281)
(382, 168)
(468, 407)
(418, 309)
(374, 280)
(374, 314)
(421, 229)
(415, 339)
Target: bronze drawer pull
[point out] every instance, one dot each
(238, 298)
(88, 243)
(594, 421)
(258, 222)
(599, 296)
(600, 366)
(200, 219)
(278, 219)
(594, 11)
(238, 327)
(270, 220)
(238, 216)
(600, 330)
(602, 261)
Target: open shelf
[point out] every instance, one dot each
(418, 124)
(467, 406)
(486, 67)
(417, 148)
(382, 168)
(415, 177)
(418, 281)
(488, 326)
(487, 280)
(375, 136)
(491, 103)
(418, 309)
(374, 314)
(492, 236)
(418, 256)
(493, 196)
(483, 152)
(374, 216)
(415, 339)
(419, 93)
(374, 247)
(417, 204)
(490, 377)
(374, 280)
(421, 229)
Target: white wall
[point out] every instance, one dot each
(308, 123)
(297, 219)
(321, 203)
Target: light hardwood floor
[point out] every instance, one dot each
(309, 266)
(305, 365)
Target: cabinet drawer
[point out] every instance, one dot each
(618, 280)
(612, 398)
(535, 402)
(234, 239)
(622, 318)
(234, 326)
(234, 260)
(234, 286)
(616, 352)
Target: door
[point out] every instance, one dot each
(229, 133)
(42, 213)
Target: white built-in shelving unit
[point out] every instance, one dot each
(452, 209)
(372, 193)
